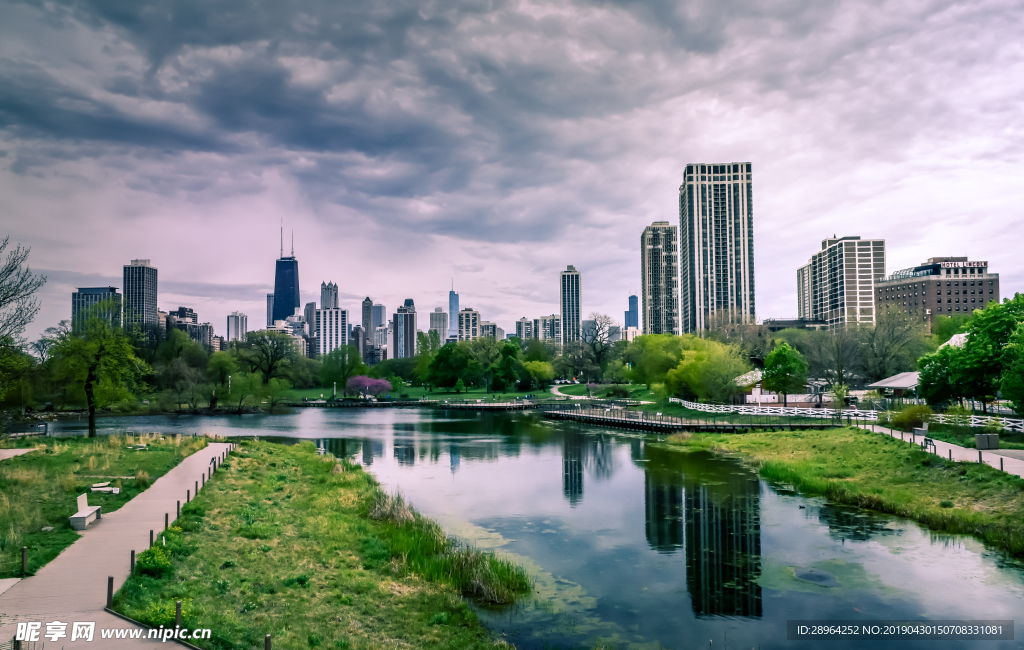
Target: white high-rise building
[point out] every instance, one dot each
(569, 300)
(439, 323)
(524, 328)
(331, 329)
(548, 328)
(469, 324)
(238, 324)
(328, 295)
(716, 245)
(659, 279)
(837, 285)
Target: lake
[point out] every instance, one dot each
(636, 546)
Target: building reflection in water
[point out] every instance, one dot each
(405, 453)
(572, 467)
(372, 449)
(713, 512)
(454, 460)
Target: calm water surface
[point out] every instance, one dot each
(641, 547)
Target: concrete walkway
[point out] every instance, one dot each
(73, 586)
(554, 390)
(1000, 458)
(11, 453)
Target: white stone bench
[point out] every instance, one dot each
(86, 513)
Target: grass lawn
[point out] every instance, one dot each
(964, 436)
(39, 489)
(310, 550)
(418, 392)
(875, 471)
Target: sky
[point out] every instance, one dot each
(410, 145)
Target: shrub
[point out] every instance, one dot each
(994, 426)
(142, 479)
(911, 417)
(618, 391)
(390, 508)
(164, 612)
(945, 503)
(153, 562)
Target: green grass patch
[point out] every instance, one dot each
(872, 470)
(40, 489)
(344, 565)
(964, 436)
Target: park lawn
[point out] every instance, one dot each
(40, 489)
(873, 470)
(964, 436)
(308, 549)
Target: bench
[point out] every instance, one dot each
(86, 513)
(928, 445)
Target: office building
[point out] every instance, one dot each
(184, 315)
(716, 246)
(947, 286)
(630, 333)
(633, 313)
(659, 279)
(331, 329)
(491, 330)
(380, 317)
(569, 300)
(186, 320)
(439, 324)
(286, 284)
(453, 309)
(840, 280)
(309, 314)
(139, 289)
(381, 336)
(238, 325)
(270, 310)
(218, 344)
(524, 328)
(357, 339)
(403, 333)
(104, 302)
(468, 324)
(328, 295)
(548, 328)
(367, 320)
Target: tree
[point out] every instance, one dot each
(101, 360)
(834, 356)
(221, 366)
(459, 386)
(451, 363)
(541, 371)
(708, 372)
(268, 353)
(244, 386)
(651, 356)
(728, 326)
(18, 285)
(367, 386)
(427, 346)
(892, 345)
(986, 350)
(340, 365)
(51, 336)
(597, 335)
(577, 360)
(785, 371)
(944, 327)
(941, 377)
(1012, 381)
(276, 391)
(485, 351)
(505, 369)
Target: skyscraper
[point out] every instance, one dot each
(524, 328)
(403, 334)
(633, 315)
(380, 317)
(270, 310)
(286, 285)
(86, 300)
(569, 300)
(453, 310)
(439, 323)
(469, 324)
(328, 295)
(548, 328)
(309, 314)
(716, 243)
(238, 324)
(659, 279)
(140, 280)
(367, 321)
(331, 329)
(841, 280)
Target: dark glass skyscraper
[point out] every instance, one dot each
(286, 287)
(633, 316)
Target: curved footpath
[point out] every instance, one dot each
(556, 391)
(73, 586)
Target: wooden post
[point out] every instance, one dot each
(151, 537)
(167, 523)
(188, 496)
(177, 613)
(197, 488)
(110, 591)
(204, 480)
(177, 512)
(266, 643)
(24, 561)
(1000, 463)
(131, 566)
(951, 453)
(979, 456)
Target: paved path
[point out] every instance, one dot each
(73, 586)
(554, 389)
(11, 453)
(1000, 458)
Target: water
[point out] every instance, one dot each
(641, 547)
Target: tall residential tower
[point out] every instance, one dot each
(569, 301)
(716, 244)
(837, 285)
(140, 294)
(659, 279)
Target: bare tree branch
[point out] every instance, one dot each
(18, 285)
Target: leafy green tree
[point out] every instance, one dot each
(427, 346)
(340, 365)
(451, 363)
(538, 350)
(101, 359)
(708, 372)
(506, 369)
(651, 356)
(944, 327)
(221, 366)
(486, 352)
(541, 372)
(986, 352)
(1012, 381)
(15, 365)
(893, 345)
(785, 371)
(576, 361)
(268, 353)
(941, 376)
(404, 368)
(245, 387)
(459, 386)
(277, 391)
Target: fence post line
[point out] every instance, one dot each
(110, 591)
(131, 566)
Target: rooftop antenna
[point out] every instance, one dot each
(293, 242)
(282, 237)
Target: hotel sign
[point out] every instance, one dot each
(963, 265)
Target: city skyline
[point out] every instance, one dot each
(126, 138)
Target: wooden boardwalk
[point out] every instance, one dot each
(643, 421)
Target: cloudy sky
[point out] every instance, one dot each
(407, 143)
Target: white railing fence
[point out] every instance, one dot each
(851, 414)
